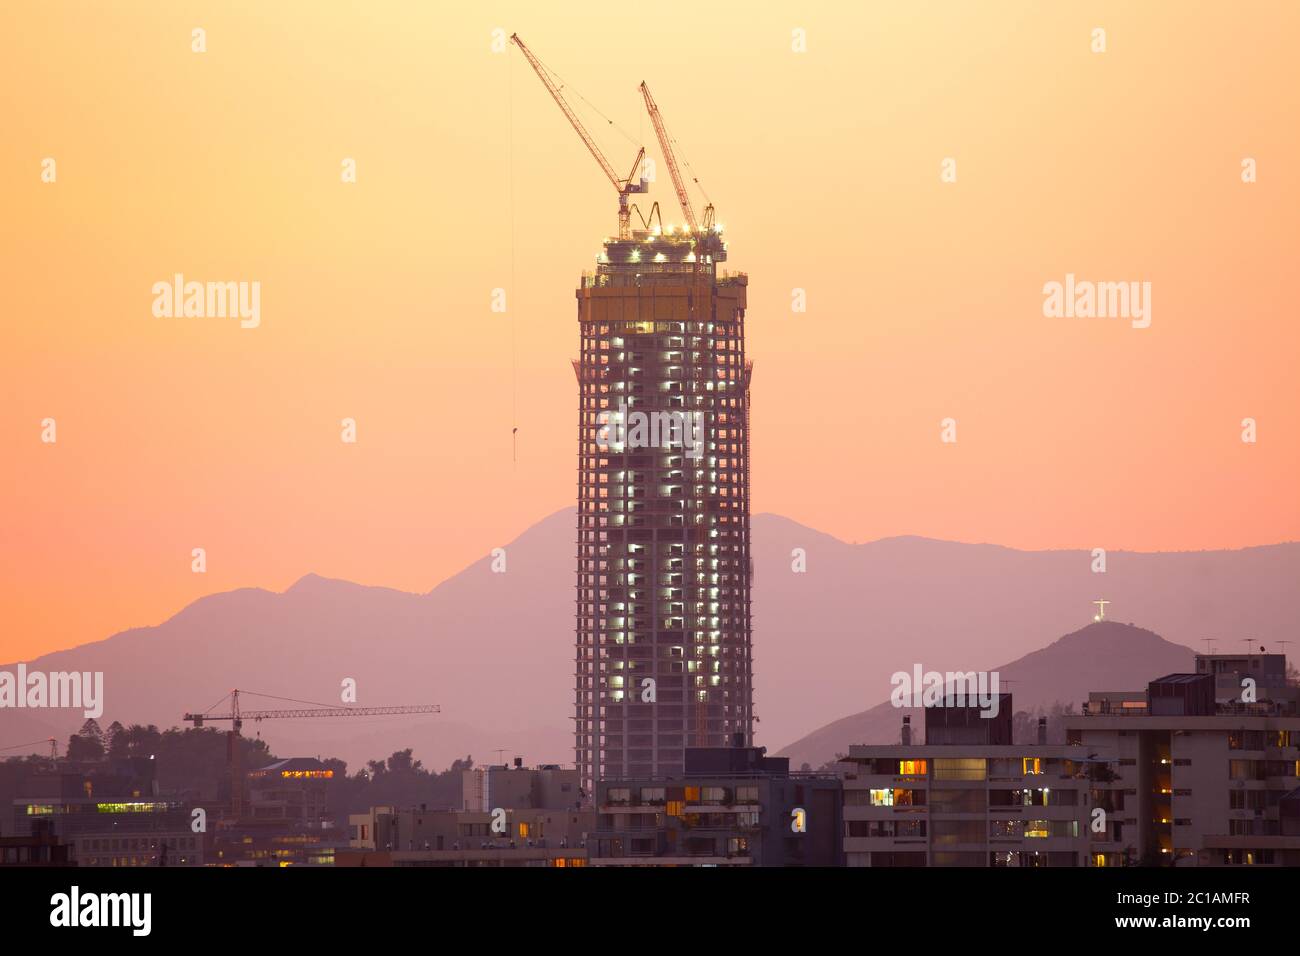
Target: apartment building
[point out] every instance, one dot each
(969, 804)
(1197, 769)
(1208, 769)
(732, 806)
(392, 836)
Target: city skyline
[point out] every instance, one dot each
(874, 449)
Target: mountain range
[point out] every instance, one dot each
(495, 650)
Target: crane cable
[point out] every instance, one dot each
(510, 176)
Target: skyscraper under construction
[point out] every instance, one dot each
(663, 656)
(663, 591)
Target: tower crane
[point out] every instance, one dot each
(670, 159)
(625, 186)
(237, 718)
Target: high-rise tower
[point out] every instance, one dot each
(663, 577)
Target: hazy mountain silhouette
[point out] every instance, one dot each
(496, 650)
(1102, 656)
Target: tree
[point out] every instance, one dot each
(91, 729)
(196, 759)
(114, 729)
(87, 743)
(400, 762)
(135, 741)
(85, 748)
(398, 780)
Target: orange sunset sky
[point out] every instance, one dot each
(924, 298)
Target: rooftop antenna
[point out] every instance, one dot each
(1101, 610)
(1209, 644)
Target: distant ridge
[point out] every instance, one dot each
(1102, 656)
(496, 650)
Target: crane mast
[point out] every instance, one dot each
(626, 186)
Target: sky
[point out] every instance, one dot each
(821, 135)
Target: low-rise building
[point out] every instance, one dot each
(41, 846)
(548, 786)
(109, 814)
(392, 836)
(732, 806)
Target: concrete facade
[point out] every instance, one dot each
(663, 659)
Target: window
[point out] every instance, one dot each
(1004, 829)
(882, 798)
(1031, 765)
(912, 768)
(957, 801)
(948, 833)
(960, 768)
(1245, 770)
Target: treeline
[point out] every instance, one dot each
(193, 762)
(399, 781)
